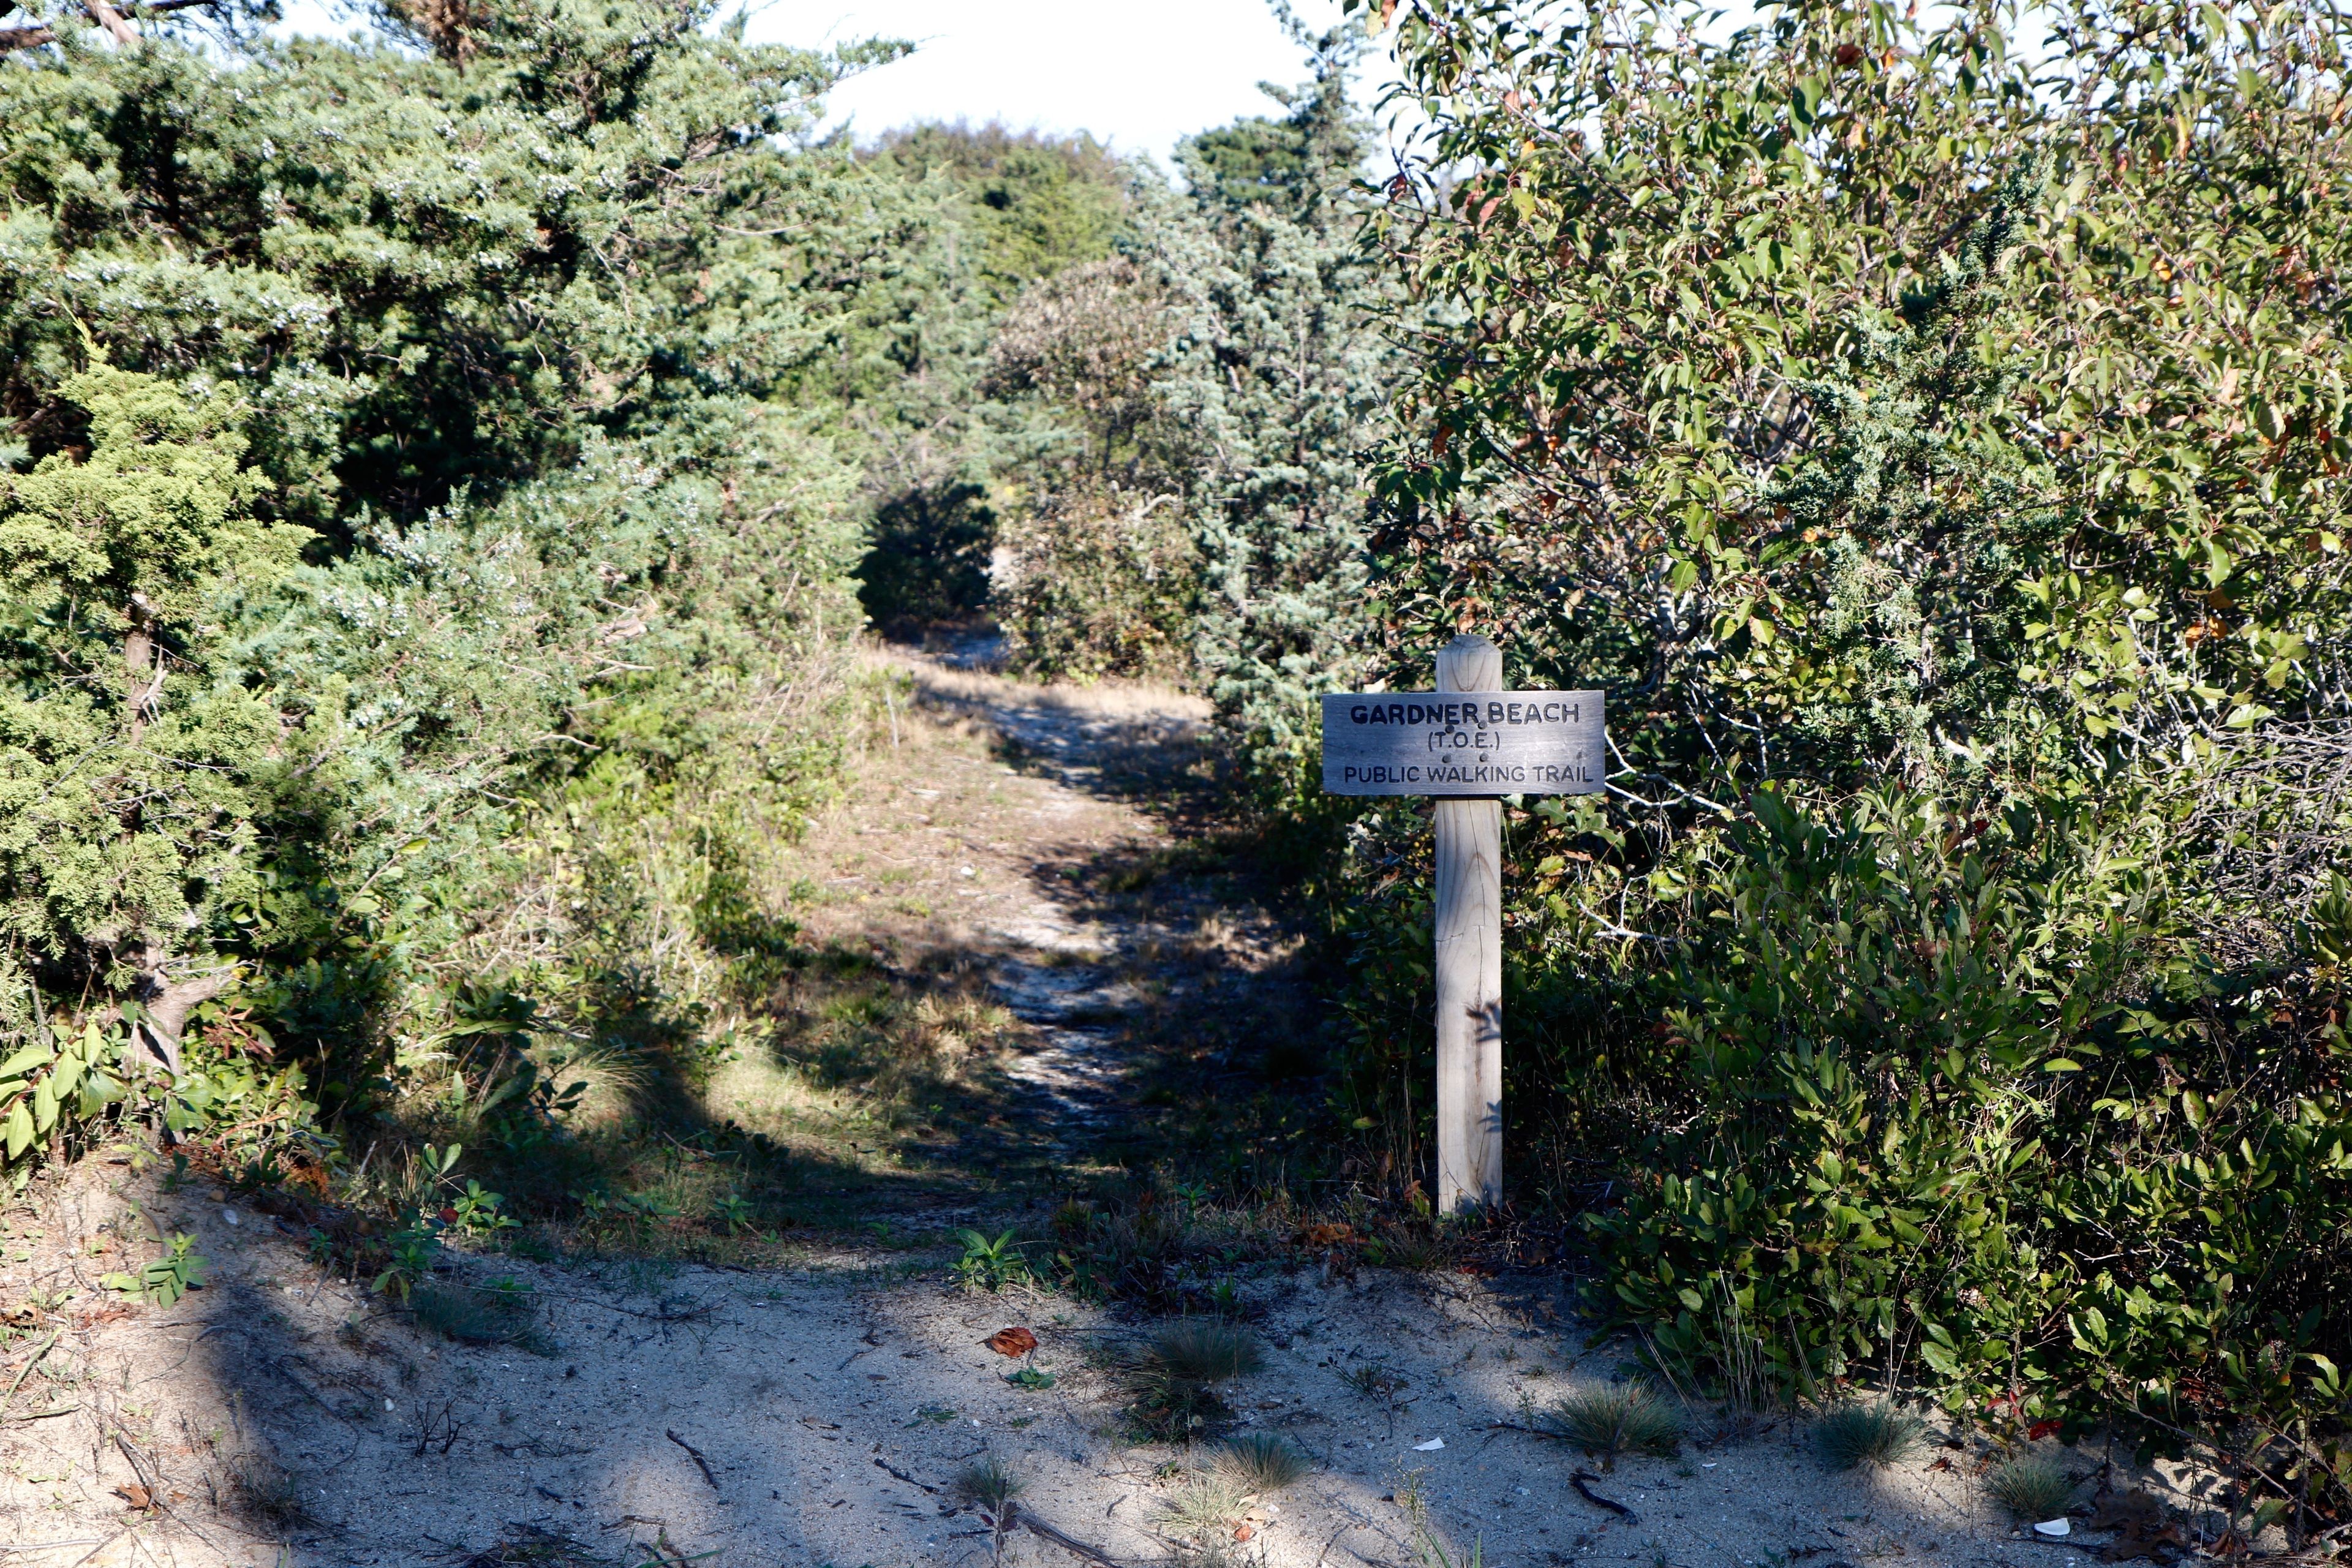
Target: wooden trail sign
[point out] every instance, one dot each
(1467, 743)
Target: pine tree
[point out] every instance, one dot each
(125, 811)
(1279, 371)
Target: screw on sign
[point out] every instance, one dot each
(1468, 743)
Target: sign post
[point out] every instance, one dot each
(1468, 743)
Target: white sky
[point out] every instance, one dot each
(1138, 75)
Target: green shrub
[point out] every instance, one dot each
(329, 686)
(929, 556)
(1919, 428)
(989, 1263)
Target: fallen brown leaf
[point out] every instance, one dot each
(1012, 1341)
(1942, 1464)
(135, 1496)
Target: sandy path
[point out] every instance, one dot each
(818, 1415)
(1058, 970)
(831, 1412)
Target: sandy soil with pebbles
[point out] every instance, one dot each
(820, 1415)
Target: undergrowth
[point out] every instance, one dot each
(1175, 1375)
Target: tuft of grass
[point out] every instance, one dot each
(1175, 1372)
(494, 1315)
(2031, 1488)
(265, 1492)
(1858, 1434)
(1202, 1351)
(990, 1483)
(1205, 1503)
(1610, 1419)
(1262, 1462)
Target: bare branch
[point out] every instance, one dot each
(108, 18)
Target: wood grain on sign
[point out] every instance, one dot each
(1462, 743)
(1469, 888)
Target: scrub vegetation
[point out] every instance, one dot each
(451, 483)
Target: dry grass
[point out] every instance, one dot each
(1174, 1376)
(1105, 699)
(989, 1482)
(491, 1315)
(1204, 1504)
(540, 1548)
(264, 1491)
(1202, 1351)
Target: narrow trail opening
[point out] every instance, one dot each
(1055, 852)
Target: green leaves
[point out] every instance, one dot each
(167, 1278)
(1901, 407)
(51, 1080)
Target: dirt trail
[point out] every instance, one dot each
(1063, 972)
(789, 1417)
(1048, 843)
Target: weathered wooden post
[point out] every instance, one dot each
(1469, 966)
(1469, 744)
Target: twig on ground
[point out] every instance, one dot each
(663, 1314)
(45, 1414)
(904, 1476)
(153, 1487)
(57, 1545)
(1531, 1431)
(1582, 1480)
(1071, 1544)
(100, 1547)
(700, 1463)
(27, 1370)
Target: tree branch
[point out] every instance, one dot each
(108, 18)
(12, 38)
(166, 1012)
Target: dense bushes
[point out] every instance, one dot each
(1936, 454)
(428, 526)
